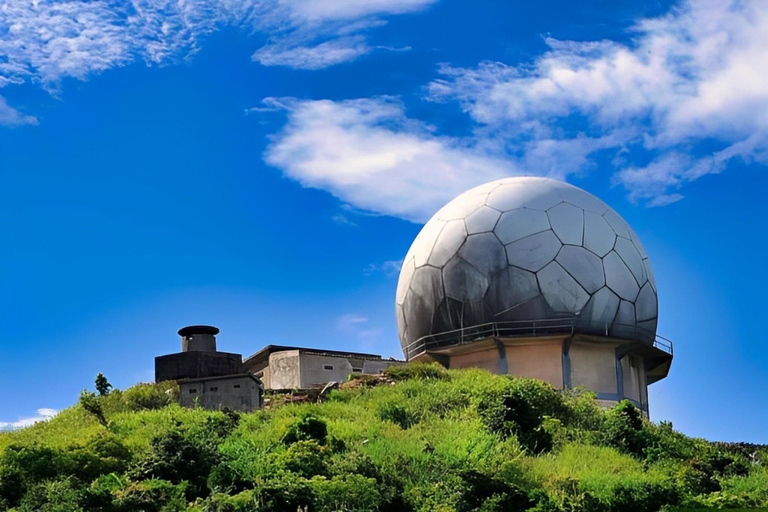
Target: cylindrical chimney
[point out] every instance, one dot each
(198, 338)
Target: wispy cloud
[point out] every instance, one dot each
(390, 268)
(694, 75)
(9, 116)
(42, 415)
(46, 41)
(687, 81)
(370, 155)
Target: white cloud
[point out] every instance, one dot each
(9, 116)
(325, 54)
(315, 10)
(696, 74)
(48, 40)
(367, 153)
(42, 415)
(390, 268)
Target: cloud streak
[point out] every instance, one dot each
(47, 41)
(694, 75)
(367, 153)
(42, 415)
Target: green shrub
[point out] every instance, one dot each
(307, 428)
(397, 414)
(472, 441)
(305, 458)
(349, 492)
(520, 410)
(53, 496)
(91, 403)
(623, 427)
(151, 496)
(664, 443)
(403, 372)
(285, 492)
(177, 457)
(148, 396)
(487, 493)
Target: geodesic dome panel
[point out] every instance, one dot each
(526, 250)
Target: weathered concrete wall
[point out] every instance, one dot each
(633, 376)
(284, 370)
(318, 369)
(487, 358)
(373, 366)
(543, 360)
(240, 393)
(193, 365)
(594, 367)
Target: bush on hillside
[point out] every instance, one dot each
(402, 372)
(623, 428)
(178, 457)
(306, 428)
(520, 410)
(470, 441)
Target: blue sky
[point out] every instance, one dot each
(263, 166)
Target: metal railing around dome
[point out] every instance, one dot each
(523, 328)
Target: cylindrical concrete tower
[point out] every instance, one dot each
(538, 278)
(198, 338)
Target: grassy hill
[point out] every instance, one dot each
(421, 439)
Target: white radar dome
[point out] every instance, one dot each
(526, 251)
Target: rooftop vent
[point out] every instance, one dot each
(198, 338)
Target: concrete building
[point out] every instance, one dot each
(283, 367)
(198, 357)
(206, 377)
(537, 278)
(242, 392)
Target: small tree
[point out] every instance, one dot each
(102, 385)
(91, 403)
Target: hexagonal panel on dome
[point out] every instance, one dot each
(533, 252)
(520, 223)
(426, 282)
(601, 310)
(567, 222)
(463, 282)
(560, 290)
(619, 278)
(646, 304)
(584, 200)
(485, 252)
(509, 288)
(525, 249)
(482, 220)
(425, 241)
(599, 236)
(617, 223)
(404, 281)
(583, 265)
(448, 243)
(631, 257)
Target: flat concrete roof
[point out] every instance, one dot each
(220, 377)
(264, 353)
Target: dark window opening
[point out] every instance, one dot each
(237, 386)
(192, 390)
(357, 370)
(328, 367)
(213, 389)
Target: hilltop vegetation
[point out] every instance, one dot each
(423, 439)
